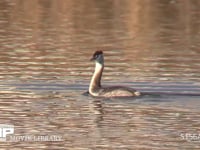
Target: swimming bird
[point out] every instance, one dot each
(95, 88)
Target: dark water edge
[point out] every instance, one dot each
(171, 88)
(156, 90)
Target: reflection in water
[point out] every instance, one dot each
(44, 69)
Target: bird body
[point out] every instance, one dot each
(95, 88)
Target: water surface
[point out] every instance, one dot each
(153, 46)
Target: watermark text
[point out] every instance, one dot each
(190, 137)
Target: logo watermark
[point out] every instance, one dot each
(7, 134)
(5, 129)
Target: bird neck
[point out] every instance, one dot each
(96, 78)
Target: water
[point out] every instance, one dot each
(153, 46)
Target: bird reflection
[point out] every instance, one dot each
(96, 106)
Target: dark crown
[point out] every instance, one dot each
(97, 53)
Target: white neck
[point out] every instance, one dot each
(96, 78)
(98, 66)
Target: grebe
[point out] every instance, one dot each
(95, 88)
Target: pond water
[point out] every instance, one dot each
(152, 46)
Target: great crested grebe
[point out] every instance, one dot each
(95, 88)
